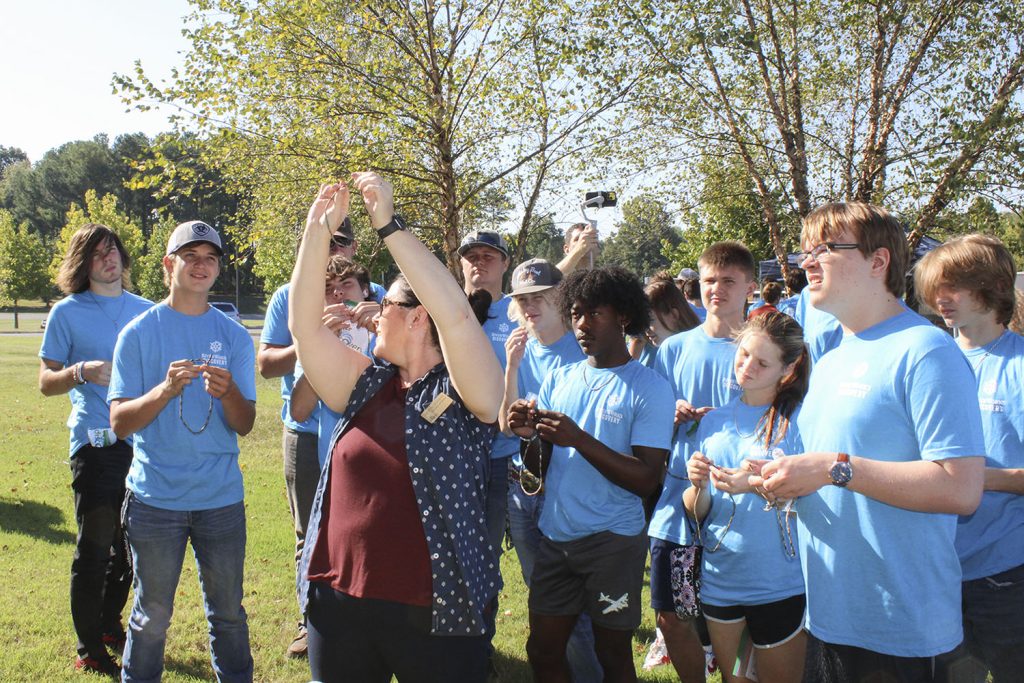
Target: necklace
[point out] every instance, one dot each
(113, 321)
(975, 366)
(736, 422)
(602, 385)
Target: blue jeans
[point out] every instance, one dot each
(157, 538)
(993, 609)
(523, 516)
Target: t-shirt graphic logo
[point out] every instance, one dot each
(216, 346)
(614, 400)
(989, 387)
(859, 370)
(503, 327)
(614, 605)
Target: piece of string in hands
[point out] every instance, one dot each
(728, 525)
(330, 206)
(783, 511)
(181, 403)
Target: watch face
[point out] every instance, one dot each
(841, 473)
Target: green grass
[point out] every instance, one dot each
(37, 531)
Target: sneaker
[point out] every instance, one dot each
(115, 641)
(105, 666)
(298, 648)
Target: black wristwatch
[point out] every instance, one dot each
(841, 471)
(396, 224)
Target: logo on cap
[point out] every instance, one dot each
(200, 229)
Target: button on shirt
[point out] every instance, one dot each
(448, 463)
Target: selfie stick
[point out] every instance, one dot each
(596, 200)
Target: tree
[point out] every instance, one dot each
(103, 210)
(450, 101)
(726, 206)
(23, 259)
(639, 243)
(9, 156)
(148, 270)
(908, 104)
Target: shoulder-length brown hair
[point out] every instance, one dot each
(73, 276)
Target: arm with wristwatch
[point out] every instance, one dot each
(951, 486)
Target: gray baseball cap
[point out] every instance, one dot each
(687, 274)
(534, 275)
(192, 232)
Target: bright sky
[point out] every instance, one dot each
(58, 58)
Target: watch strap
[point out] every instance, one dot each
(396, 224)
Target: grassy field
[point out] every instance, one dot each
(37, 531)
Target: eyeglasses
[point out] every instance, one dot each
(385, 303)
(340, 241)
(826, 248)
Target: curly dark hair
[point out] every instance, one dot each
(609, 286)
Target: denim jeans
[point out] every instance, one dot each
(100, 572)
(993, 609)
(157, 538)
(523, 517)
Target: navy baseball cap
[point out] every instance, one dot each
(485, 238)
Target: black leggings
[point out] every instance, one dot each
(359, 639)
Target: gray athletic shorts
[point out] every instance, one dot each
(601, 575)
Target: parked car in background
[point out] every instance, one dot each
(228, 309)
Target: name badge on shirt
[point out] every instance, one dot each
(436, 408)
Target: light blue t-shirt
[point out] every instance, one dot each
(992, 539)
(377, 292)
(84, 327)
(756, 562)
(822, 332)
(699, 369)
(276, 332)
(173, 468)
(648, 352)
(621, 407)
(326, 418)
(539, 361)
(788, 305)
(497, 327)
(880, 577)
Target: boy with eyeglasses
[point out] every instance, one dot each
(969, 281)
(183, 383)
(893, 455)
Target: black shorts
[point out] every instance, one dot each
(601, 574)
(770, 625)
